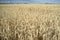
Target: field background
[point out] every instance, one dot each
(29, 21)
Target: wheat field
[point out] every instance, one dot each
(29, 21)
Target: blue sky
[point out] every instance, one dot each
(30, 1)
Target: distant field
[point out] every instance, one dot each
(29, 21)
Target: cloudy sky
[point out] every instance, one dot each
(29, 1)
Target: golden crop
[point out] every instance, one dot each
(29, 21)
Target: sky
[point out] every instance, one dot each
(30, 1)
